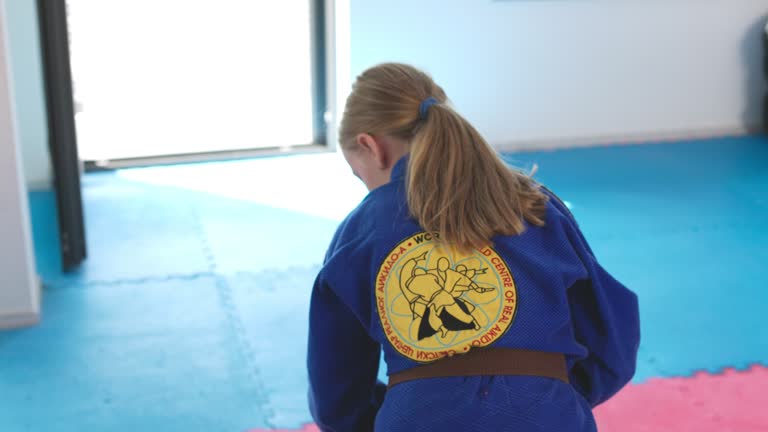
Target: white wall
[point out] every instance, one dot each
(551, 73)
(19, 288)
(26, 63)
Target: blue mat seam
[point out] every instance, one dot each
(246, 349)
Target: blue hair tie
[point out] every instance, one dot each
(424, 107)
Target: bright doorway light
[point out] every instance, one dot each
(162, 77)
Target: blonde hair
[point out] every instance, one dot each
(457, 185)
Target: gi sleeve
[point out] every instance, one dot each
(343, 364)
(605, 319)
(606, 322)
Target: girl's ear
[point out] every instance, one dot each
(374, 148)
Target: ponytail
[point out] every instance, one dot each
(457, 185)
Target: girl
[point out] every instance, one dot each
(492, 311)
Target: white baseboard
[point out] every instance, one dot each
(24, 319)
(11, 321)
(625, 139)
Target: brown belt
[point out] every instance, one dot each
(490, 361)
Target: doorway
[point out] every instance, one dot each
(151, 82)
(177, 79)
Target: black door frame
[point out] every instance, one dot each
(62, 136)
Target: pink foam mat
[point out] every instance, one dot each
(732, 401)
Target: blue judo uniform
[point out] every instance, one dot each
(386, 284)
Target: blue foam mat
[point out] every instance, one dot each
(274, 306)
(153, 356)
(252, 237)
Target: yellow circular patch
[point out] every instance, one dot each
(434, 302)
